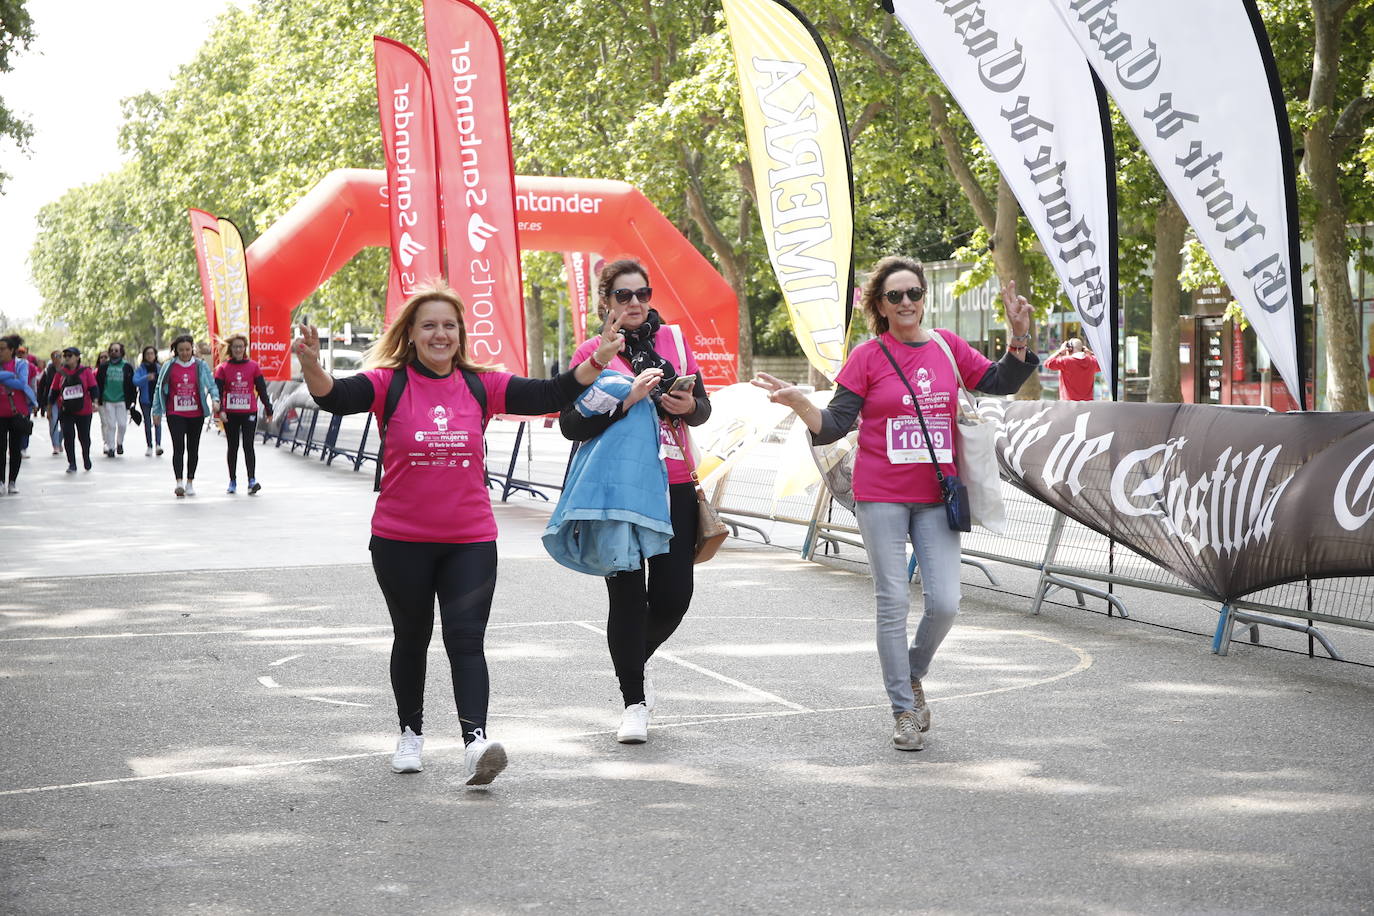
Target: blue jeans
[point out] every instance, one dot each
(886, 528)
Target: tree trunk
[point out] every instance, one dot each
(1345, 378)
(734, 265)
(1010, 264)
(1165, 293)
(534, 332)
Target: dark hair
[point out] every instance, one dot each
(612, 271)
(123, 351)
(873, 289)
(183, 338)
(144, 352)
(13, 341)
(229, 343)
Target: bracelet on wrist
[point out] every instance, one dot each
(598, 366)
(1025, 337)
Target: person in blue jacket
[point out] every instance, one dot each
(145, 376)
(16, 408)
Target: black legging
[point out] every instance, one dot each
(642, 618)
(74, 425)
(242, 426)
(185, 441)
(11, 446)
(463, 576)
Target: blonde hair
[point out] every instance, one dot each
(393, 350)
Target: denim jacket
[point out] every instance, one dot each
(613, 514)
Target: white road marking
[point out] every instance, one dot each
(268, 682)
(339, 702)
(1085, 661)
(282, 661)
(740, 685)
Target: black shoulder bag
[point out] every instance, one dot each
(393, 398)
(952, 490)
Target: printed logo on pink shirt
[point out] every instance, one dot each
(441, 446)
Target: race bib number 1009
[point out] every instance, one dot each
(906, 444)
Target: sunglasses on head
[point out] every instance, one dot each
(894, 296)
(643, 294)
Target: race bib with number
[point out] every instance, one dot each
(667, 443)
(907, 445)
(238, 401)
(186, 402)
(72, 393)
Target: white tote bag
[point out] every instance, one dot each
(975, 455)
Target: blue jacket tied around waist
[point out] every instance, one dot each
(613, 514)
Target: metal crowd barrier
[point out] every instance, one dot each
(532, 456)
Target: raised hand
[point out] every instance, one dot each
(307, 345)
(610, 342)
(1018, 310)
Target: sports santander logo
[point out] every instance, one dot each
(479, 230)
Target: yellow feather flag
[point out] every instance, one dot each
(233, 315)
(799, 152)
(214, 261)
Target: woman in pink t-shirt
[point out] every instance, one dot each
(897, 496)
(648, 603)
(433, 531)
(242, 387)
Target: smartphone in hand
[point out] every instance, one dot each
(684, 383)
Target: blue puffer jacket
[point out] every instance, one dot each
(613, 514)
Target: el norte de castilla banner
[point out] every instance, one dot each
(1198, 85)
(1229, 500)
(1019, 77)
(799, 153)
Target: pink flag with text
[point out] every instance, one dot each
(406, 109)
(477, 177)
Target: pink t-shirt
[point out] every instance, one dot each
(13, 401)
(239, 394)
(433, 472)
(893, 463)
(184, 394)
(665, 346)
(83, 381)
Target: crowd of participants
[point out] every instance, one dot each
(434, 536)
(433, 532)
(182, 393)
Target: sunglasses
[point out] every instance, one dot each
(643, 294)
(894, 296)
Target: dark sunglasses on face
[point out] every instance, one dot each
(643, 294)
(894, 296)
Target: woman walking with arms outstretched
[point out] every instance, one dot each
(433, 531)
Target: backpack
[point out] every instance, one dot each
(393, 398)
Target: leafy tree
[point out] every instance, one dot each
(16, 34)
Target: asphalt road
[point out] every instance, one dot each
(195, 715)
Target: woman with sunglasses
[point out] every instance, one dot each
(897, 497)
(646, 606)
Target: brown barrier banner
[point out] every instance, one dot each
(1230, 500)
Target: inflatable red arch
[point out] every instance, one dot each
(347, 211)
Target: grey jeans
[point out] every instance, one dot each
(886, 528)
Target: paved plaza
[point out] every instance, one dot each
(196, 716)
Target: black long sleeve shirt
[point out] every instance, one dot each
(525, 396)
(1003, 377)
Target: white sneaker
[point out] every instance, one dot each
(13, 488)
(407, 756)
(634, 725)
(484, 760)
(148, 452)
(190, 489)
